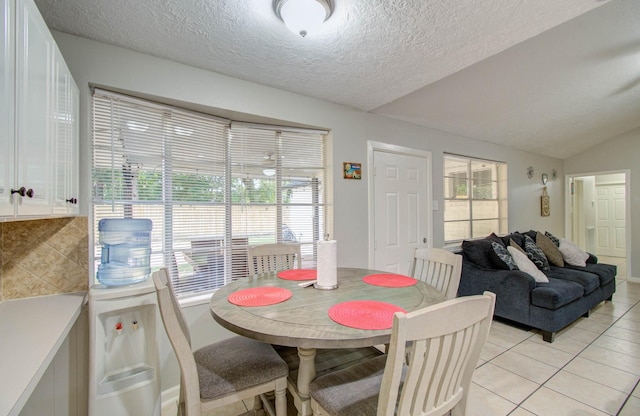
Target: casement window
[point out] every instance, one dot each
(211, 186)
(475, 198)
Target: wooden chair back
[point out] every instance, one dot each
(439, 268)
(268, 258)
(447, 340)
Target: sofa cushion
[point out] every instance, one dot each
(526, 265)
(501, 257)
(588, 281)
(535, 254)
(572, 254)
(605, 272)
(516, 237)
(550, 250)
(556, 294)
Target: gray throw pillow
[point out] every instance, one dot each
(535, 254)
(503, 254)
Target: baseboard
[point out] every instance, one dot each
(169, 399)
(633, 279)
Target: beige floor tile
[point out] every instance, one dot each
(593, 325)
(234, 409)
(543, 353)
(629, 324)
(504, 383)
(521, 412)
(526, 367)
(602, 318)
(612, 308)
(624, 334)
(612, 358)
(507, 338)
(603, 374)
(482, 402)
(618, 345)
(586, 391)
(578, 334)
(631, 407)
(546, 402)
(636, 391)
(566, 344)
(490, 351)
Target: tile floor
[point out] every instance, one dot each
(592, 368)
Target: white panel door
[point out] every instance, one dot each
(7, 139)
(400, 210)
(611, 220)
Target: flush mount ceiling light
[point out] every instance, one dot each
(303, 16)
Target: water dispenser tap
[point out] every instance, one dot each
(134, 324)
(118, 328)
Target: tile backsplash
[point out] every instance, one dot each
(43, 257)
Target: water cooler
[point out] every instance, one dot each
(124, 370)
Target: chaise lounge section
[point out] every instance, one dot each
(570, 292)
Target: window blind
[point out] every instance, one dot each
(210, 186)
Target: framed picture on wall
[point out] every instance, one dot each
(352, 170)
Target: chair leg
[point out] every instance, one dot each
(257, 406)
(281, 398)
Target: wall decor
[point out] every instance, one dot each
(545, 209)
(554, 174)
(352, 170)
(530, 172)
(545, 178)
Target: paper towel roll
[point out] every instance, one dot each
(327, 264)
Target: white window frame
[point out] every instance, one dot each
(501, 198)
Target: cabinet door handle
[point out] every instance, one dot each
(22, 191)
(72, 200)
(30, 193)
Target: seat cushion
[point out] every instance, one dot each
(588, 281)
(605, 272)
(236, 364)
(556, 293)
(351, 391)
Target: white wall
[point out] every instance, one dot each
(620, 153)
(108, 66)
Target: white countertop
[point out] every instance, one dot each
(31, 332)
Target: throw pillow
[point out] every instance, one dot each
(503, 257)
(573, 254)
(515, 245)
(478, 252)
(553, 238)
(526, 265)
(535, 254)
(550, 250)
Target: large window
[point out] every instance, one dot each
(211, 186)
(475, 198)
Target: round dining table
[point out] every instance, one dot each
(303, 320)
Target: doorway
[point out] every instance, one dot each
(597, 216)
(399, 205)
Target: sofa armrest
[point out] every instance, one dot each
(593, 259)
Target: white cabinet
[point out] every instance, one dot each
(45, 133)
(7, 135)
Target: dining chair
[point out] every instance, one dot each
(267, 258)
(447, 339)
(221, 373)
(439, 268)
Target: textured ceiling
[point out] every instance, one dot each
(541, 75)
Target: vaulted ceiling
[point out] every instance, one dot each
(550, 77)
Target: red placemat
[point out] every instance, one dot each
(298, 274)
(259, 296)
(364, 314)
(389, 280)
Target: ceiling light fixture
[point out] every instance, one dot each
(269, 171)
(303, 16)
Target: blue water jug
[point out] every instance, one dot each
(126, 251)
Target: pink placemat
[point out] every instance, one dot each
(364, 314)
(259, 296)
(389, 280)
(298, 274)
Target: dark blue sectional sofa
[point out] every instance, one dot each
(572, 291)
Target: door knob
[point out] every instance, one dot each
(22, 191)
(30, 193)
